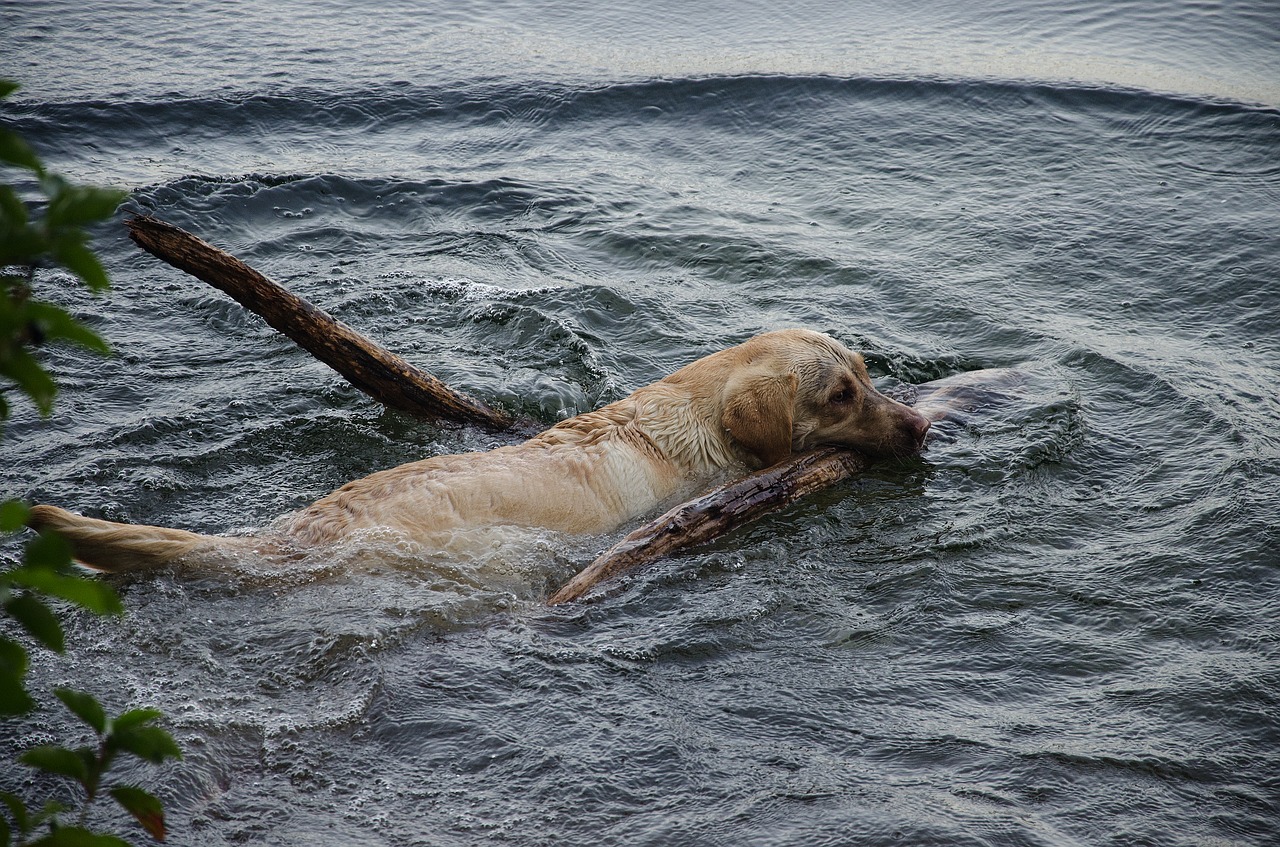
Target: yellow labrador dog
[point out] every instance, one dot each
(746, 407)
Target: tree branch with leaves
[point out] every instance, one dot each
(50, 233)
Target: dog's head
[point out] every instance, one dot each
(795, 389)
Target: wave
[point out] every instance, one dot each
(486, 101)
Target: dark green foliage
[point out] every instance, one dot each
(131, 733)
(51, 234)
(54, 238)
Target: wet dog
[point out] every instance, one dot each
(749, 406)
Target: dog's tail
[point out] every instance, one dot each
(109, 546)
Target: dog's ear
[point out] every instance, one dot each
(759, 413)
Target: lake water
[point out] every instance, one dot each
(1059, 627)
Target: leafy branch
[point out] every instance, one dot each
(57, 238)
(131, 732)
(51, 234)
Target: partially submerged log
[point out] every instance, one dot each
(370, 367)
(740, 502)
(715, 513)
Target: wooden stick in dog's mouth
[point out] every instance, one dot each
(738, 503)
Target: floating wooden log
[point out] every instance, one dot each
(740, 502)
(370, 367)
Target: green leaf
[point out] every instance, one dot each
(76, 836)
(6, 837)
(74, 206)
(34, 381)
(14, 699)
(49, 550)
(98, 597)
(17, 811)
(57, 323)
(146, 742)
(135, 717)
(15, 151)
(20, 244)
(13, 656)
(48, 813)
(36, 619)
(73, 255)
(7, 87)
(13, 212)
(13, 515)
(144, 807)
(85, 706)
(60, 761)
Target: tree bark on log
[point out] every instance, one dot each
(370, 367)
(717, 512)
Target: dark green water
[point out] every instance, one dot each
(1057, 628)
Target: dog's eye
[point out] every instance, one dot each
(844, 395)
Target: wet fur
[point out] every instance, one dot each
(746, 407)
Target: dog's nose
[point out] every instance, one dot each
(918, 426)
